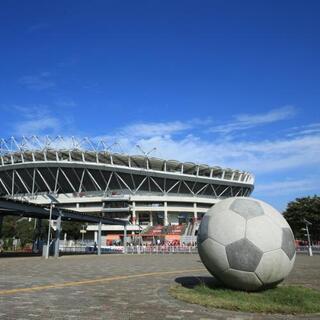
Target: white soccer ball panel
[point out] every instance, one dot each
(214, 257)
(274, 266)
(226, 227)
(275, 215)
(264, 233)
(241, 280)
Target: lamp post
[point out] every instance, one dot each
(308, 223)
(49, 230)
(52, 199)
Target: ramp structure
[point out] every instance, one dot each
(27, 209)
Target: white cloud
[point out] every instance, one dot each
(246, 121)
(38, 82)
(145, 130)
(35, 120)
(313, 128)
(177, 140)
(37, 126)
(257, 156)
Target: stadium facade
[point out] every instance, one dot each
(88, 178)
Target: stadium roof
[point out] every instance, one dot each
(13, 151)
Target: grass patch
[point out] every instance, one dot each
(282, 299)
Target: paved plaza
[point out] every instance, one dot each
(117, 287)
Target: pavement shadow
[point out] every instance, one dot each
(191, 282)
(19, 254)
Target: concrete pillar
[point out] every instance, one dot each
(151, 219)
(195, 213)
(165, 220)
(58, 232)
(125, 239)
(99, 238)
(134, 212)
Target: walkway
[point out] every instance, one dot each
(114, 287)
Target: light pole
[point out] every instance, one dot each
(53, 199)
(49, 230)
(308, 223)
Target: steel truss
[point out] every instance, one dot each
(80, 180)
(33, 149)
(68, 165)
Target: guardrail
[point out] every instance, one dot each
(305, 249)
(159, 249)
(90, 249)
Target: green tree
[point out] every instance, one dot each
(304, 208)
(8, 227)
(72, 229)
(24, 231)
(17, 227)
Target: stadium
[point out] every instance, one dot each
(84, 176)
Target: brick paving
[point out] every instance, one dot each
(112, 297)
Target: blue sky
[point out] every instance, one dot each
(229, 83)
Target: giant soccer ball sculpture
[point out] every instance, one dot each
(246, 244)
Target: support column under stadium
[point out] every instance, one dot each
(99, 238)
(133, 212)
(195, 213)
(125, 239)
(57, 242)
(165, 218)
(151, 218)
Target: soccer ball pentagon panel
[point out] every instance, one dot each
(246, 244)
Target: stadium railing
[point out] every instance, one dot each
(156, 249)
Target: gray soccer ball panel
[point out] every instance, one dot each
(241, 280)
(203, 229)
(243, 255)
(247, 208)
(287, 244)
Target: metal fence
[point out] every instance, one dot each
(155, 249)
(161, 249)
(158, 249)
(305, 249)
